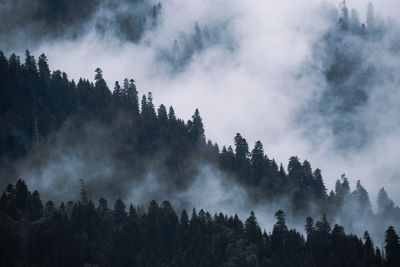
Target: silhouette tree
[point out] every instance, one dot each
(319, 186)
(252, 229)
(241, 147)
(323, 225)
(196, 128)
(360, 196)
(392, 247)
(258, 162)
(35, 210)
(21, 194)
(119, 211)
(309, 226)
(279, 232)
(385, 204)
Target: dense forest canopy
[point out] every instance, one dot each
(45, 114)
(84, 234)
(58, 135)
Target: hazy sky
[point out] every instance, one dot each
(249, 78)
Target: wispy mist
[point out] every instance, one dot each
(261, 69)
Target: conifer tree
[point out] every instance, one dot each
(259, 163)
(252, 229)
(241, 147)
(171, 114)
(118, 93)
(319, 186)
(295, 169)
(103, 207)
(44, 71)
(360, 196)
(35, 210)
(309, 226)
(369, 254)
(162, 113)
(21, 194)
(119, 211)
(323, 225)
(279, 232)
(392, 248)
(385, 204)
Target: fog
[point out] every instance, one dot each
(254, 67)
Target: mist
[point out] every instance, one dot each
(255, 68)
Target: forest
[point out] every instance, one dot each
(121, 138)
(35, 105)
(84, 234)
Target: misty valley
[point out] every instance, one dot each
(99, 175)
(54, 115)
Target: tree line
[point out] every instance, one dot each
(84, 234)
(36, 103)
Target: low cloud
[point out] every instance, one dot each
(264, 73)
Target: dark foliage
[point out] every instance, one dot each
(36, 103)
(85, 235)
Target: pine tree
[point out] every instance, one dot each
(30, 63)
(98, 78)
(162, 113)
(196, 128)
(295, 169)
(103, 207)
(35, 210)
(385, 204)
(143, 105)
(319, 186)
(184, 220)
(241, 147)
(258, 162)
(119, 211)
(147, 112)
(101, 96)
(279, 232)
(252, 229)
(369, 253)
(132, 98)
(21, 194)
(323, 225)
(282, 172)
(342, 190)
(44, 71)
(309, 226)
(150, 106)
(360, 196)
(118, 93)
(392, 248)
(171, 114)
(307, 172)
